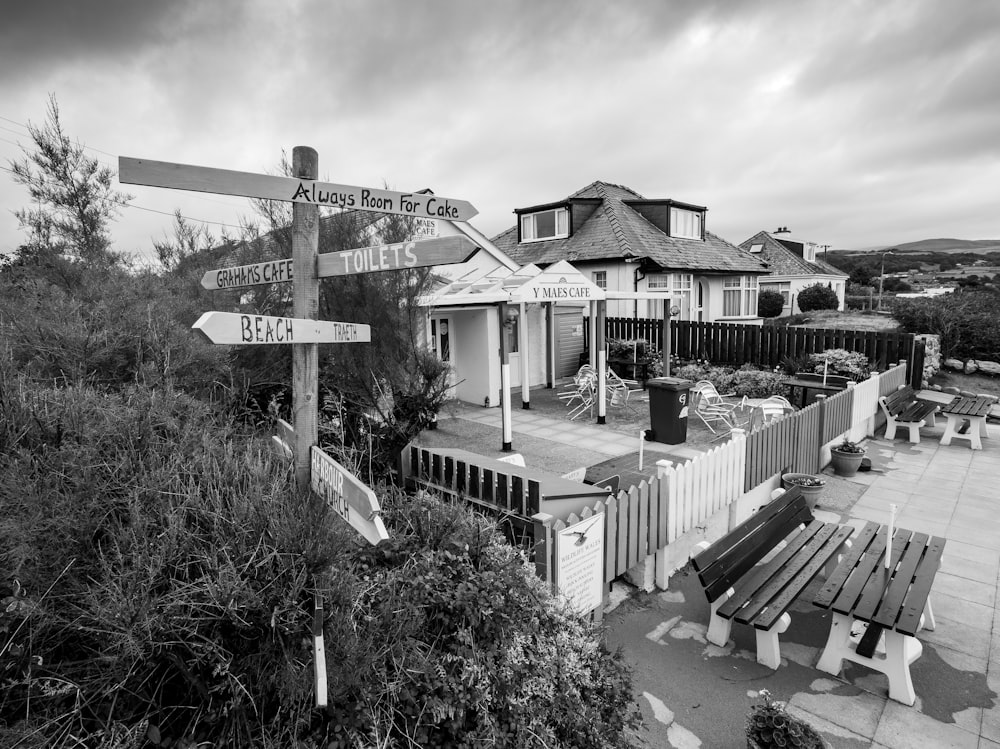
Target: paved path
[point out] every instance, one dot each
(693, 694)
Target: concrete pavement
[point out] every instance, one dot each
(694, 694)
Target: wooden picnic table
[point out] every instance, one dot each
(805, 382)
(962, 408)
(894, 604)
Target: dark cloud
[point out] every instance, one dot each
(37, 37)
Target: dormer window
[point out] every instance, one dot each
(685, 224)
(553, 224)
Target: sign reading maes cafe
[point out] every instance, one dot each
(132, 171)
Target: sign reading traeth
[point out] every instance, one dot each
(236, 328)
(347, 496)
(400, 256)
(132, 171)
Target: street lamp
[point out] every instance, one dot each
(881, 276)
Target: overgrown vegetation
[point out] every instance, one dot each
(965, 321)
(157, 570)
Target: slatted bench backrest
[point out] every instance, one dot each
(896, 402)
(723, 563)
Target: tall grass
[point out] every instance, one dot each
(159, 570)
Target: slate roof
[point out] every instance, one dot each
(617, 230)
(783, 262)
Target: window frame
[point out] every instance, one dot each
(528, 225)
(679, 229)
(746, 289)
(600, 279)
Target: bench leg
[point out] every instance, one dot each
(837, 645)
(915, 431)
(927, 620)
(900, 651)
(719, 628)
(890, 428)
(768, 647)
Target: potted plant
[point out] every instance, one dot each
(811, 485)
(846, 457)
(770, 725)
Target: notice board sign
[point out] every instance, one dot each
(580, 563)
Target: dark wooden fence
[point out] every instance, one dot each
(766, 346)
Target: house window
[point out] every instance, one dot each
(685, 224)
(677, 285)
(545, 225)
(739, 296)
(785, 289)
(756, 248)
(600, 278)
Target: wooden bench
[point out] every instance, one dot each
(902, 409)
(745, 582)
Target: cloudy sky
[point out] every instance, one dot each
(855, 123)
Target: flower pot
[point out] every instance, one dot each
(809, 491)
(845, 463)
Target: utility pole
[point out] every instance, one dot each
(881, 276)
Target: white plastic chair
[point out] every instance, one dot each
(715, 412)
(618, 390)
(768, 411)
(577, 474)
(516, 459)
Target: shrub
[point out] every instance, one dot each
(770, 304)
(838, 361)
(158, 570)
(965, 322)
(817, 296)
(747, 381)
(756, 383)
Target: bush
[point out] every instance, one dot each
(838, 361)
(965, 322)
(157, 573)
(770, 304)
(817, 296)
(747, 381)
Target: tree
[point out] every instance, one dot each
(896, 286)
(862, 274)
(72, 191)
(770, 303)
(818, 296)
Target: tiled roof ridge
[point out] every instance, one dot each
(614, 219)
(599, 184)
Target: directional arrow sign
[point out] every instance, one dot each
(231, 327)
(415, 254)
(132, 171)
(346, 495)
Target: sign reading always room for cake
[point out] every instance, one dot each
(580, 563)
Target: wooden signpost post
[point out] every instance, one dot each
(345, 494)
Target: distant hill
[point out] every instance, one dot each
(945, 245)
(951, 245)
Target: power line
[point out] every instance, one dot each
(153, 210)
